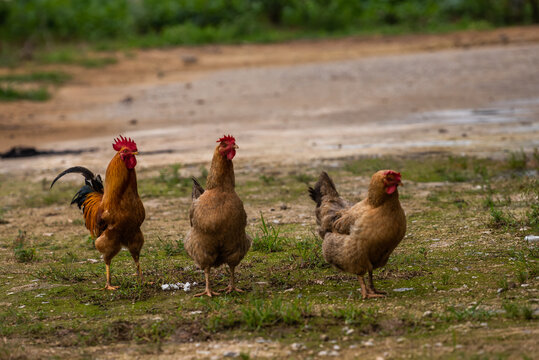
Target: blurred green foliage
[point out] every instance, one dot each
(170, 22)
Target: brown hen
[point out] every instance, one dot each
(359, 238)
(218, 219)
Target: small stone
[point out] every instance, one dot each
(438, 344)
(349, 331)
(284, 207)
(353, 346)
(297, 346)
(380, 358)
(333, 353)
(400, 340)
(427, 313)
(500, 290)
(368, 343)
(324, 337)
(323, 353)
(336, 347)
(231, 354)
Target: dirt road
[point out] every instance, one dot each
(466, 92)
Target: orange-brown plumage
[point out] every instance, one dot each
(113, 211)
(360, 238)
(218, 219)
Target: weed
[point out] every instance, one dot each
(267, 180)
(304, 178)
(171, 247)
(8, 93)
(445, 279)
(499, 219)
(21, 252)
(352, 315)
(517, 311)
(470, 313)
(259, 313)
(269, 240)
(49, 77)
(310, 253)
(517, 160)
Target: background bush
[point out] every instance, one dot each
(167, 22)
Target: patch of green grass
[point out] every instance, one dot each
(353, 315)
(426, 169)
(517, 311)
(268, 240)
(310, 253)
(258, 313)
(21, 251)
(8, 93)
(172, 247)
(69, 56)
(517, 160)
(49, 77)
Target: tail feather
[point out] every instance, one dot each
(197, 189)
(329, 205)
(323, 187)
(88, 198)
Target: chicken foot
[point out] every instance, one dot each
(208, 291)
(109, 286)
(371, 286)
(232, 286)
(367, 292)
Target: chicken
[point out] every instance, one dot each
(359, 238)
(113, 212)
(218, 219)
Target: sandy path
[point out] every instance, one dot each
(295, 102)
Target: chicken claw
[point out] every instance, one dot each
(207, 292)
(230, 289)
(110, 287)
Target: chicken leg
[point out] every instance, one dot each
(208, 291)
(232, 286)
(371, 286)
(366, 292)
(109, 286)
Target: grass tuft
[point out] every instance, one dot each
(268, 240)
(8, 93)
(22, 253)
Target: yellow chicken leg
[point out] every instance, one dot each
(109, 286)
(208, 291)
(232, 285)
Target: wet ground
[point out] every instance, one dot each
(355, 97)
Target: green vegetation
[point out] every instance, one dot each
(268, 240)
(8, 93)
(110, 24)
(468, 284)
(23, 254)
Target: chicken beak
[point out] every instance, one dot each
(135, 153)
(236, 147)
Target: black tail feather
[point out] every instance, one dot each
(92, 183)
(324, 186)
(197, 189)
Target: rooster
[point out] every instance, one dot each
(113, 212)
(360, 238)
(218, 219)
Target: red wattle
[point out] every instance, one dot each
(391, 189)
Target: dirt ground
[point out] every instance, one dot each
(473, 92)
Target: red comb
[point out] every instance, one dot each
(394, 173)
(227, 138)
(121, 142)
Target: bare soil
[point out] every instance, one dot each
(467, 92)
